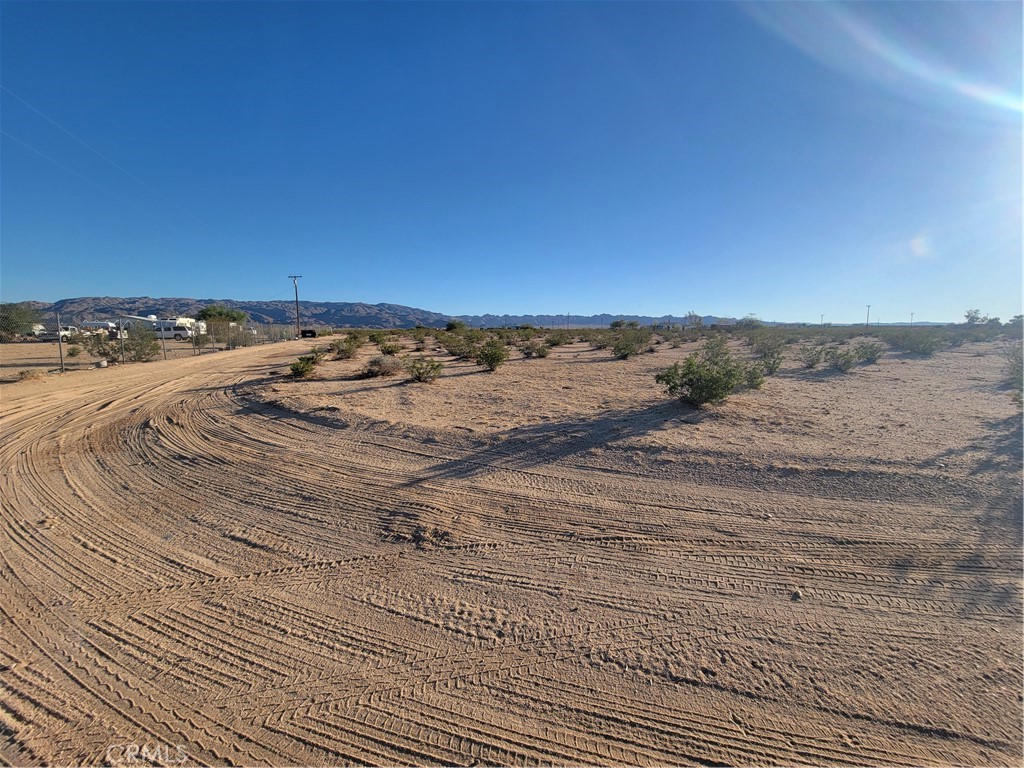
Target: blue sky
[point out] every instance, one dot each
(780, 159)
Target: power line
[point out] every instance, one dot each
(73, 172)
(84, 143)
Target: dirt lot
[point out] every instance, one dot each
(41, 357)
(548, 564)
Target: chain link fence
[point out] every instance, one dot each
(34, 344)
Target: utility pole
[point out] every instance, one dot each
(295, 282)
(60, 343)
(868, 320)
(911, 319)
(823, 321)
(120, 335)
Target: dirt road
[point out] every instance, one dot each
(194, 568)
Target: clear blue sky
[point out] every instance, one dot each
(786, 160)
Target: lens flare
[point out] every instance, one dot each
(879, 48)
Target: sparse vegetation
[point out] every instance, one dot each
(424, 369)
(141, 344)
(631, 341)
(28, 374)
(534, 349)
(74, 350)
(389, 348)
(810, 356)
(303, 367)
(491, 355)
(345, 349)
(383, 365)
(917, 341)
(868, 351)
(707, 376)
(768, 347)
(842, 360)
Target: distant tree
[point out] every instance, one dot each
(17, 319)
(1014, 328)
(693, 320)
(749, 322)
(455, 326)
(973, 317)
(618, 324)
(219, 313)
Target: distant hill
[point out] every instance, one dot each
(311, 313)
(328, 313)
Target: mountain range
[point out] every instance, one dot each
(335, 314)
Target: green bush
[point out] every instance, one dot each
(455, 326)
(558, 338)
(631, 341)
(753, 376)
(141, 344)
(491, 355)
(841, 360)
(345, 349)
(74, 350)
(99, 345)
(389, 348)
(868, 351)
(810, 356)
(917, 341)
(425, 369)
(768, 346)
(707, 376)
(304, 366)
(534, 349)
(383, 365)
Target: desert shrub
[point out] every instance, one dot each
(491, 355)
(345, 349)
(810, 356)
(753, 376)
(74, 350)
(917, 341)
(455, 326)
(141, 344)
(841, 360)
(383, 365)
(458, 346)
(377, 337)
(770, 361)
(1013, 354)
(99, 345)
(425, 369)
(558, 338)
(28, 374)
(631, 341)
(534, 349)
(304, 366)
(868, 351)
(707, 376)
(768, 346)
(389, 348)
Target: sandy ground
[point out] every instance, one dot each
(43, 357)
(548, 564)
